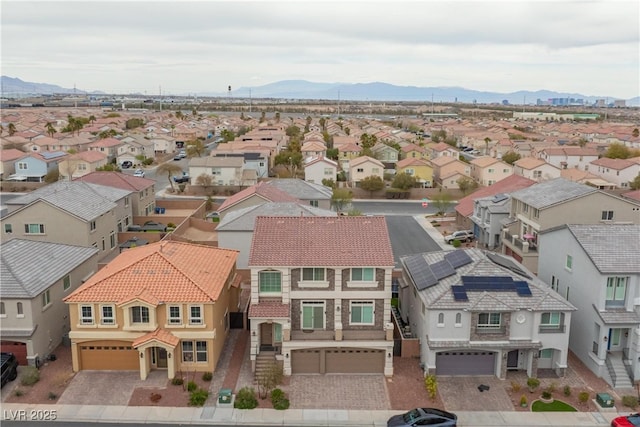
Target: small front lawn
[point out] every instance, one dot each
(555, 406)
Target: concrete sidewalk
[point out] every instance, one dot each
(290, 417)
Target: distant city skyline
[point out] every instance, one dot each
(586, 47)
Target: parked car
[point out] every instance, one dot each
(181, 155)
(154, 226)
(139, 173)
(9, 367)
(126, 164)
(182, 178)
(626, 421)
(462, 236)
(423, 417)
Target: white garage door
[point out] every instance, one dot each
(466, 363)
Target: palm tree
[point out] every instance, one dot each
(50, 129)
(12, 129)
(487, 140)
(170, 169)
(92, 118)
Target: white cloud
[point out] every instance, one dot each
(590, 47)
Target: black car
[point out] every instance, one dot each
(126, 164)
(9, 367)
(423, 417)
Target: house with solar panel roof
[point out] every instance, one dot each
(482, 313)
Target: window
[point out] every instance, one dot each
(112, 239)
(92, 225)
(440, 319)
(568, 262)
(489, 320)
(23, 166)
(216, 171)
(313, 274)
(607, 215)
(139, 314)
(505, 170)
(8, 228)
(66, 283)
(107, 317)
(313, 315)
(525, 207)
(409, 171)
(20, 309)
(546, 353)
(458, 319)
(187, 351)
(174, 315)
(195, 315)
(551, 320)
(34, 228)
(362, 274)
(126, 201)
(537, 174)
(201, 351)
(313, 203)
(360, 170)
(328, 171)
(490, 170)
(2, 310)
(46, 298)
(86, 315)
(362, 313)
(616, 291)
(270, 281)
(536, 213)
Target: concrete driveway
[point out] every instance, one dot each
(108, 387)
(462, 394)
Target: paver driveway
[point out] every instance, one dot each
(364, 392)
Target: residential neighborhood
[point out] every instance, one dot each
(276, 249)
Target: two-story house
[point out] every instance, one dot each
(314, 194)
(420, 169)
(385, 153)
(488, 170)
(143, 193)
(487, 219)
(619, 171)
(75, 213)
(535, 169)
(318, 169)
(413, 151)
(346, 153)
(556, 202)
(364, 167)
(313, 148)
(224, 170)
(108, 146)
(7, 161)
(321, 294)
(80, 164)
(597, 268)
(448, 170)
(569, 157)
(35, 166)
(480, 313)
(33, 317)
(162, 306)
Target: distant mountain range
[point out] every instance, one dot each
(377, 91)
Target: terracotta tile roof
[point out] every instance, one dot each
(117, 180)
(412, 162)
(11, 154)
(443, 160)
(484, 161)
(529, 162)
(166, 271)
(617, 164)
(364, 159)
(412, 147)
(507, 185)
(635, 195)
(269, 309)
(106, 142)
(441, 146)
(268, 192)
(160, 335)
(349, 148)
(321, 241)
(570, 151)
(89, 156)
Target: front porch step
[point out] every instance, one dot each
(618, 372)
(264, 360)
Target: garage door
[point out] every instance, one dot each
(108, 355)
(466, 363)
(354, 361)
(19, 349)
(305, 361)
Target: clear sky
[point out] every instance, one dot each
(587, 47)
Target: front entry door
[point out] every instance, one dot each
(266, 335)
(512, 359)
(162, 357)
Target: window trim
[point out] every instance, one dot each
(132, 310)
(196, 321)
(41, 228)
(313, 304)
(86, 320)
(107, 320)
(362, 283)
(66, 282)
(568, 263)
(260, 282)
(171, 321)
(490, 323)
(46, 299)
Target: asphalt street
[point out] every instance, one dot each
(408, 237)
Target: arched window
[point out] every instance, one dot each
(441, 319)
(2, 312)
(458, 318)
(20, 312)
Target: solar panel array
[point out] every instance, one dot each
(507, 263)
(489, 283)
(442, 269)
(457, 258)
(420, 272)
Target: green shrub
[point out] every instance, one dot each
(629, 401)
(552, 387)
(198, 397)
(31, 376)
(533, 383)
(207, 376)
(177, 381)
(523, 400)
(546, 394)
(567, 390)
(456, 243)
(431, 384)
(18, 392)
(246, 399)
(192, 386)
(52, 396)
(279, 399)
(171, 225)
(583, 396)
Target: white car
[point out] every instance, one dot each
(462, 236)
(139, 173)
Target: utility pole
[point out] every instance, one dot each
(338, 103)
(160, 91)
(249, 101)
